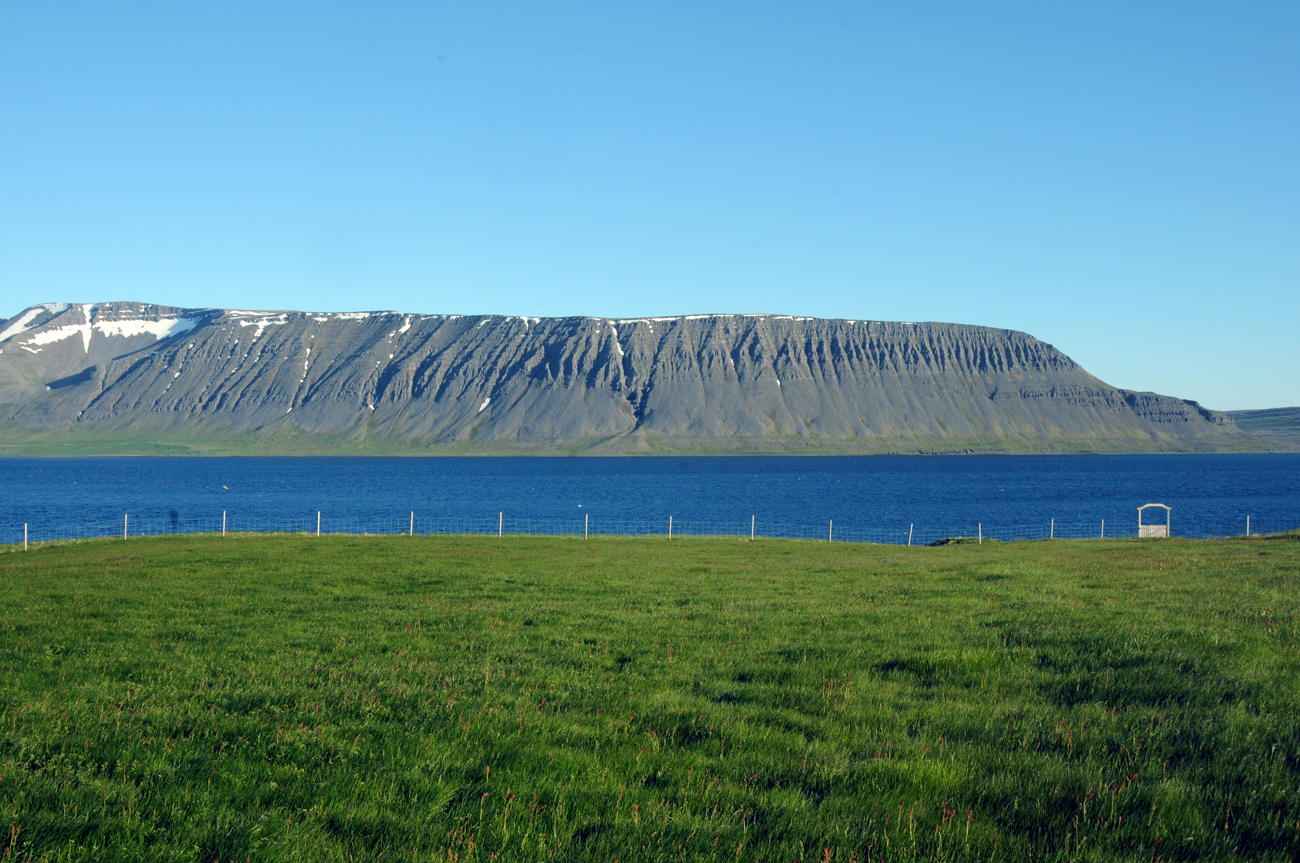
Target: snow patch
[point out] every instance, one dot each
(406, 325)
(340, 316)
(486, 401)
(263, 323)
(20, 326)
(160, 329)
(616, 344)
(58, 334)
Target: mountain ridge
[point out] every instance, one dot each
(127, 376)
(1278, 424)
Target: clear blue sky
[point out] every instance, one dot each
(1121, 180)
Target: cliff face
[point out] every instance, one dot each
(392, 381)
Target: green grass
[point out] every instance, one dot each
(343, 698)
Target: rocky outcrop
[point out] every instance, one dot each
(387, 381)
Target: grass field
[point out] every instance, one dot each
(359, 698)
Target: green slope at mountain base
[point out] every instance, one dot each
(290, 441)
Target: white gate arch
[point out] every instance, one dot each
(1153, 530)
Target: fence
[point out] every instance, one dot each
(501, 525)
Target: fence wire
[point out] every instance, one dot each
(15, 534)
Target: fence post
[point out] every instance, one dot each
(125, 516)
(670, 527)
(24, 536)
(909, 534)
(318, 522)
(412, 523)
(1052, 533)
(223, 524)
(751, 528)
(830, 531)
(981, 542)
(1247, 530)
(1103, 528)
(586, 524)
(501, 524)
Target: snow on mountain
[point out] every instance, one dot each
(694, 383)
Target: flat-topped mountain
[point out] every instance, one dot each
(119, 377)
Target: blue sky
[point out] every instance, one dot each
(1120, 180)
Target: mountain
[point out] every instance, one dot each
(133, 377)
(1281, 425)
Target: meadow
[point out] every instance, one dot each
(195, 698)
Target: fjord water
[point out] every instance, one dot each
(1211, 495)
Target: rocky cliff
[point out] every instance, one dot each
(220, 380)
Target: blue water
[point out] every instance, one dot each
(872, 497)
